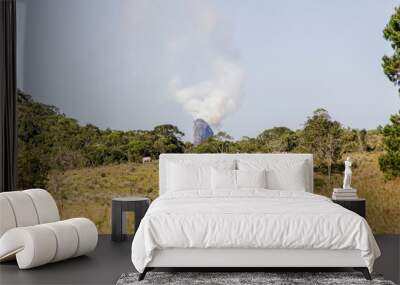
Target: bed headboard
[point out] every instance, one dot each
(210, 158)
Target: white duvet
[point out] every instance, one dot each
(250, 219)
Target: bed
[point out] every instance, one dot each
(247, 210)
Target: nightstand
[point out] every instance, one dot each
(355, 205)
(120, 206)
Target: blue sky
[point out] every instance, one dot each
(245, 65)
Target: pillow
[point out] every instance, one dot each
(193, 175)
(223, 179)
(188, 177)
(251, 178)
(281, 175)
(292, 177)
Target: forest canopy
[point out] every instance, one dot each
(48, 140)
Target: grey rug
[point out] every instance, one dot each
(269, 278)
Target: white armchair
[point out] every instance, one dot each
(31, 230)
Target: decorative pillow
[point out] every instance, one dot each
(223, 179)
(251, 178)
(288, 178)
(288, 175)
(188, 175)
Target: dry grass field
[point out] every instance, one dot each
(383, 197)
(88, 192)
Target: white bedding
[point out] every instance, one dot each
(250, 219)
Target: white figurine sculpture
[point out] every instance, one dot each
(347, 174)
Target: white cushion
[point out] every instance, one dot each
(26, 208)
(67, 240)
(23, 208)
(87, 233)
(7, 220)
(186, 175)
(281, 175)
(223, 179)
(32, 246)
(251, 178)
(46, 207)
(40, 244)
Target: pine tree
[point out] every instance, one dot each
(390, 161)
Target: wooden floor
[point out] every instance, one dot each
(110, 260)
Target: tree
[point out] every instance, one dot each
(362, 139)
(210, 145)
(278, 139)
(390, 161)
(139, 148)
(224, 141)
(323, 138)
(167, 139)
(247, 145)
(351, 140)
(168, 130)
(391, 64)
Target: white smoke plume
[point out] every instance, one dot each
(214, 99)
(206, 47)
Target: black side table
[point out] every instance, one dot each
(120, 206)
(355, 205)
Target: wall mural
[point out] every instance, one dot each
(95, 113)
(84, 166)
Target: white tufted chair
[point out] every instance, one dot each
(31, 230)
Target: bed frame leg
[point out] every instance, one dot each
(143, 274)
(364, 271)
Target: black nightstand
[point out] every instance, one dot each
(120, 206)
(355, 205)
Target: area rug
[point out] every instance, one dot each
(268, 278)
